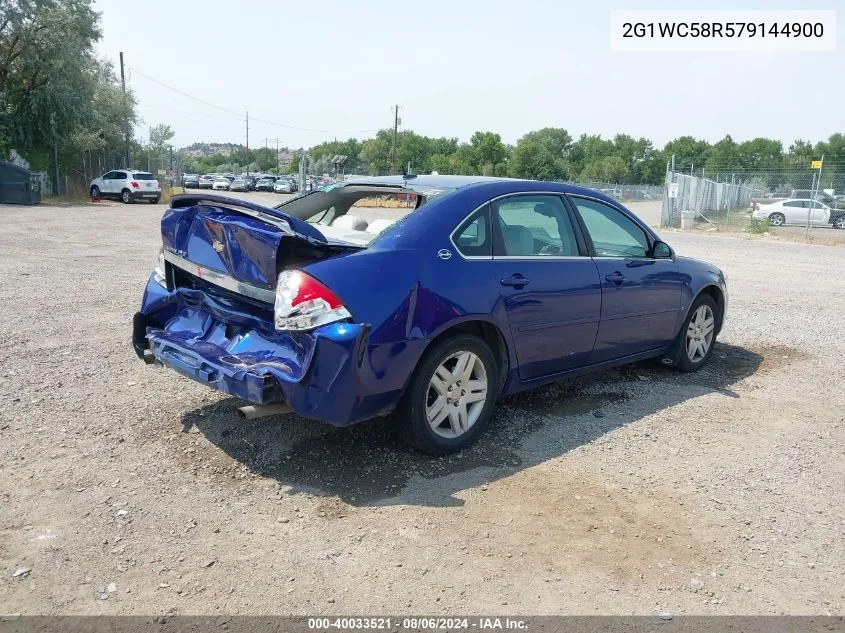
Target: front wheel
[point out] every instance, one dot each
(777, 219)
(451, 396)
(126, 196)
(95, 191)
(697, 336)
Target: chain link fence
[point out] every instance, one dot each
(728, 198)
(75, 178)
(707, 199)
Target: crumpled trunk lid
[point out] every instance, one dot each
(236, 244)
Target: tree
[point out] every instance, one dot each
(610, 169)
(159, 135)
(49, 77)
(688, 152)
(542, 155)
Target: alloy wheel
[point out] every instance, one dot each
(456, 394)
(700, 333)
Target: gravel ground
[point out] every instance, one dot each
(128, 489)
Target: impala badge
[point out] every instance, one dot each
(218, 246)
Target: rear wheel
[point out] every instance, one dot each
(451, 396)
(777, 219)
(839, 223)
(154, 201)
(126, 196)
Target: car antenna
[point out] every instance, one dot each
(407, 175)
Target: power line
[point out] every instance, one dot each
(233, 112)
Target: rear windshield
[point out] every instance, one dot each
(142, 175)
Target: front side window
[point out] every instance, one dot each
(109, 175)
(473, 237)
(533, 226)
(612, 232)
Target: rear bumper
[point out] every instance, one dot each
(323, 374)
(146, 195)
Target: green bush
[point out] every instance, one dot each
(759, 226)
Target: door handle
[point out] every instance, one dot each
(615, 278)
(515, 281)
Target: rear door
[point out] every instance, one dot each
(641, 295)
(795, 211)
(549, 287)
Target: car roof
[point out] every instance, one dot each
(422, 183)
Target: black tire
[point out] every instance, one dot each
(154, 201)
(95, 191)
(410, 421)
(777, 219)
(679, 355)
(126, 196)
(839, 223)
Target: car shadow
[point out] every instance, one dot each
(366, 465)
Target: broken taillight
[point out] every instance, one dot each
(303, 303)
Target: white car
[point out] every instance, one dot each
(613, 193)
(221, 183)
(283, 186)
(127, 185)
(797, 211)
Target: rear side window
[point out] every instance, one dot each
(118, 175)
(473, 238)
(795, 203)
(142, 175)
(534, 226)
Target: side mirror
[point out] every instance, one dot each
(661, 250)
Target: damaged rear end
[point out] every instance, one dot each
(229, 306)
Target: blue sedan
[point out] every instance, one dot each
(484, 288)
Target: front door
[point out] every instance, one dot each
(641, 295)
(550, 288)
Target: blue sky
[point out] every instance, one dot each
(455, 67)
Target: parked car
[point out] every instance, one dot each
(823, 197)
(613, 193)
(489, 287)
(250, 182)
(238, 184)
(206, 181)
(190, 181)
(264, 184)
(127, 185)
(798, 211)
(221, 183)
(282, 186)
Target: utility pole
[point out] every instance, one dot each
(395, 130)
(126, 115)
(247, 142)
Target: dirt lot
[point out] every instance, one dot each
(128, 489)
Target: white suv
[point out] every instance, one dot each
(127, 185)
